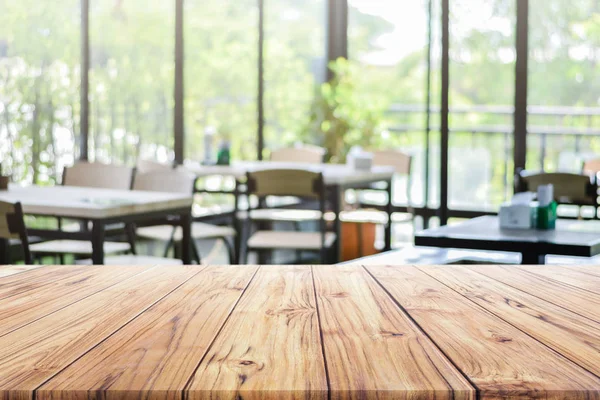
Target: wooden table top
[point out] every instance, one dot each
(296, 332)
(91, 203)
(333, 174)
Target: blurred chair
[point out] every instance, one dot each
(299, 154)
(402, 163)
(145, 166)
(12, 227)
(306, 185)
(179, 181)
(91, 175)
(569, 189)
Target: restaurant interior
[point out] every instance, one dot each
(299, 199)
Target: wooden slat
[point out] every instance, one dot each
(572, 275)
(580, 301)
(8, 270)
(34, 353)
(270, 348)
(500, 360)
(154, 356)
(372, 349)
(33, 280)
(570, 334)
(20, 310)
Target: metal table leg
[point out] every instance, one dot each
(98, 232)
(186, 240)
(389, 211)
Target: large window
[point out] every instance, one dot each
(39, 88)
(387, 43)
(294, 66)
(564, 84)
(131, 79)
(221, 72)
(482, 73)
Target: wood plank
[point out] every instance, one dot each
(570, 334)
(372, 349)
(31, 305)
(580, 301)
(154, 356)
(36, 352)
(578, 277)
(270, 348)
(33, 280)
(500, 360)
(8, 270)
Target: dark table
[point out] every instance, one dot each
(570, 238)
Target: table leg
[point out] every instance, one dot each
(389, 211)
(336, 204)
(98, 231)
(186, 240)
(4, 252)
(237, 224)
(529, 258)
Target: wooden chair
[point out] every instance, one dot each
(12, 226)
(179, 181)
(303, 184)
(569, 189)
(145, 166)
(92, 175)
(402, 164)
(299, 154)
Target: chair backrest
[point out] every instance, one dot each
(286, 182)
(300, 154)
(98, 175)
(401, 162)
(591, 167)
(12, 226)
(170, 181)
(144, 166)
(568, 188)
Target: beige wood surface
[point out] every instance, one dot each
(167, 343)
(270, 348)
(298, 332)
(91, 203)
(498, 358)
(570, 334)
(572, 298)
(35, 353)
(364, 334)
(8, 270)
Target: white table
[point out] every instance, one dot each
(337, 177)
(101, 207)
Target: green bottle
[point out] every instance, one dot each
(223, 156)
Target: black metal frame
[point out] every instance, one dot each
(337, 46)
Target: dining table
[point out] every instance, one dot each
(299, 332)
(576, 238)
(337, 178)
(101, 207)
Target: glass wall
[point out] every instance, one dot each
(221, 72)
(39, 88)
(564, 84)
(131, 80)
(482, 73)
(294, 67)
(387, 45)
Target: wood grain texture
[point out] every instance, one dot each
(373, 350)
(34, 353)
(21, 310)
(270, 348)
(33, 280)
(580, 301)
(583, 278)
(8, 270)
(570, 334)
(500, 360)
(154, 356)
